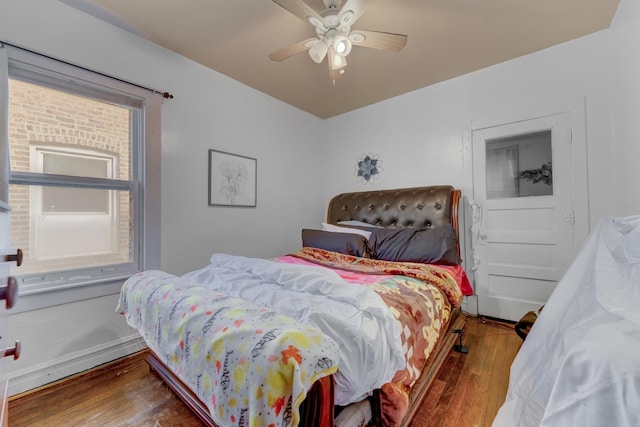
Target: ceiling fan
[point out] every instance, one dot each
(334, 34)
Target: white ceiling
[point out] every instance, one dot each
(446, 38)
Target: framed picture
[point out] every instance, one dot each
(232, 179)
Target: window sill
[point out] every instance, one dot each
(35, 299)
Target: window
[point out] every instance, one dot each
(93, 215)
(519, 166)
(77, 172)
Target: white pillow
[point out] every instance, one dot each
(337, 229)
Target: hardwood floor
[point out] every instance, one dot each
(471, 387)
(468, 392)
(122, 393)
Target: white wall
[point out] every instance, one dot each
(209, 110)
(212, 111)
(419, 136)
(624, 61)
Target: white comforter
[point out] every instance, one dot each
(580, 364)
(352, 315)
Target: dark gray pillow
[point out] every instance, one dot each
(427, 245)
(344, 243)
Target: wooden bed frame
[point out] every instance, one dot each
(436, 359)
(407, 207)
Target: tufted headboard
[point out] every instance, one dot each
(420, 207)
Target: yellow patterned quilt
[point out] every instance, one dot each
(250, 365)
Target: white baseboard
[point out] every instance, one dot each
(470, 305)
(52, 370)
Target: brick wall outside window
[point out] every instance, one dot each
(45, 117)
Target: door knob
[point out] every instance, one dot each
(17, 257)
(14, 351)
(482, 236)
(9, 293)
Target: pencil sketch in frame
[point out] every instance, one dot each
(232, 179)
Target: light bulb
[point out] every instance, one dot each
(342, 45)
(338, 62)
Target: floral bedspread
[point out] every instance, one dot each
(428, 273)
(250, 365)
(420, 296)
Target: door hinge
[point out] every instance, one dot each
(570, 217)
(566, 136)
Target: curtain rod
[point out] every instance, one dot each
(164, 94)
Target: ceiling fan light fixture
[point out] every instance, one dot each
(341, 45)
(318, 51)
(339, 62)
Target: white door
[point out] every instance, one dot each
(8, 298)
(522, 178)
(4, 229)
(4, 278)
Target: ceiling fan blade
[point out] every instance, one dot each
(378, 40)
(294, 49)
(300, 9)
(352, 10)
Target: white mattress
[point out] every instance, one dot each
(580, 364)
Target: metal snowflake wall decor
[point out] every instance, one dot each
(368, 168)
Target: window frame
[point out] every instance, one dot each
(143, 185)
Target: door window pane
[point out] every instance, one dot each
(519, 166)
